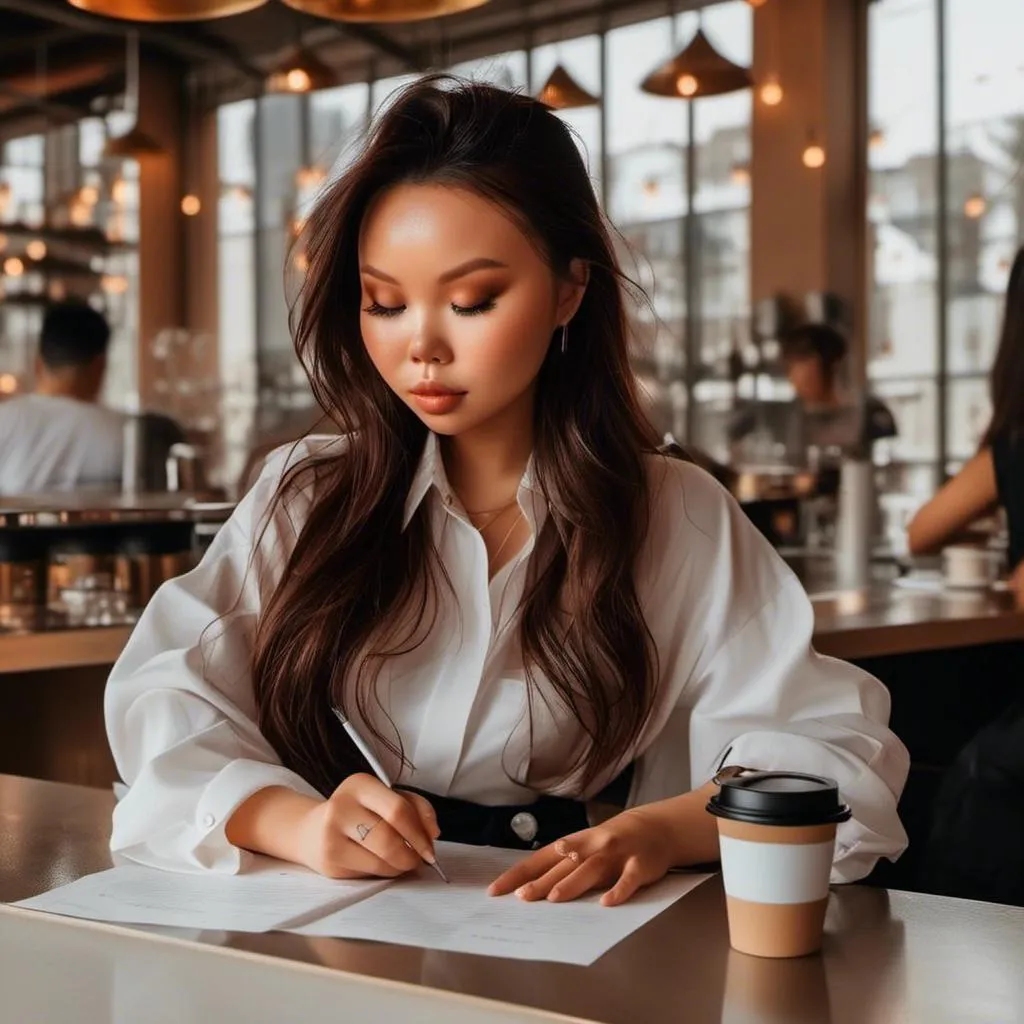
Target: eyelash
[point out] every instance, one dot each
(376, 309)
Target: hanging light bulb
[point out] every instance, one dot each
(687, 85)
(36, 249)
(876, 140)
(190, 205)
(383, 10)
(13, 267)
(57, 291)
(119, 191)
(814, 156)
(8, 383)
(5, 196)
(975, 206)
(301, 71)
(80, 214)
(309, 177)
(89, 194)
(771, 92)
(740, 174)
(114, 284)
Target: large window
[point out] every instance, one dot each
(946, 210)
(647, 200)
(643, 157)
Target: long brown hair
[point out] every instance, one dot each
(357, 588)
(1007, 381)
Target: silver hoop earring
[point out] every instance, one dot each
(565, 338)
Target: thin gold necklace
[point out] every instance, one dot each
(501, 546)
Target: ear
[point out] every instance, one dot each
(571, 290)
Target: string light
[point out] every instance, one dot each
(190, 205)
(13, 267)
(876, 140)
(114, 284)
(36, 249)
(8, 383)
(89, 194)
(740, 174)
(119, 191)
(309, 177)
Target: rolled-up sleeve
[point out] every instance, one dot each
(769, 701)
(179, 704)
(744, 685)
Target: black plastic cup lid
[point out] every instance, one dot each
(779, 798)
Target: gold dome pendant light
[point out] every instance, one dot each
(383, 10)
(562, 92)
(166, 10)
(697, 70)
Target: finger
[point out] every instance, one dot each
(399, 813)
(351, 859)
(539, 888)
(632, 878)
(593, 873)
(392, 848)
(426, 813)
(525, 871)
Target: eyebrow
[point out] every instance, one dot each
(469, 267)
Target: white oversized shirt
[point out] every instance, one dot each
(737, 677)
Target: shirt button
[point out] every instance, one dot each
(209, 820)
(448, 499)
(525, 826)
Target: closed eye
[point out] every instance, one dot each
(376, 309)
(481, 307)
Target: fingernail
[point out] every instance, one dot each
(428, 856)
(523, 891)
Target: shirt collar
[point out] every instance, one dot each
(430, 475)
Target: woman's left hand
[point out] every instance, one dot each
(627, 852)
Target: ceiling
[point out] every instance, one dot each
(56, 60)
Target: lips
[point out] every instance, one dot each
(431, 389)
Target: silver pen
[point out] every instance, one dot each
(377, 769)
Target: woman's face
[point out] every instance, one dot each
(458, 307)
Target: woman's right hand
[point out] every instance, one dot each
(365, 830)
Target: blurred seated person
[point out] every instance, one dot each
(60, 438)
(995, 476)
(826, 415)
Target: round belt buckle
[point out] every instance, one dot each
(525, 826)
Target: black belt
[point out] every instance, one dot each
(520, 826)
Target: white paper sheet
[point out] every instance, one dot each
(422, 911)
(269, 897)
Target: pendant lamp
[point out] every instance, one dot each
(697, 70)
(301, 71)
(134, 143)
(383, 10)
(166, 10)
(562, 92)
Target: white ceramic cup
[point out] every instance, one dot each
(964, 565)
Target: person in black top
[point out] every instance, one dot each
(975, 849)
(995, 476)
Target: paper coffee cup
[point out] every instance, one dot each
(777, 835)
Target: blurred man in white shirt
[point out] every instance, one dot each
(59, 438)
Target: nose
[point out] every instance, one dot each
(428, 344)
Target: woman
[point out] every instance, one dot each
(519, 605)
(995, 476)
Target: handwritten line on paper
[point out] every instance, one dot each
(273, 896)
(461, 917)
